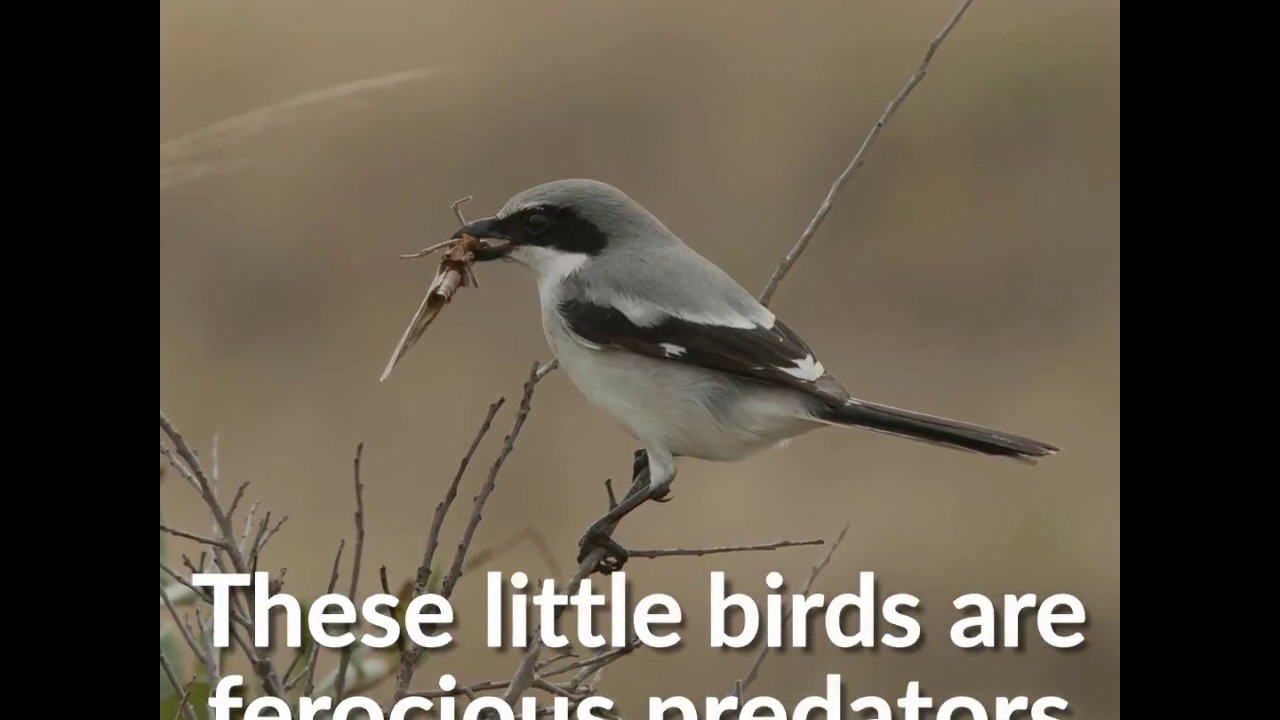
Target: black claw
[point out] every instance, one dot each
(615, 556)
(664, 496)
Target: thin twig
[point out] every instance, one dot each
(182, 627)
(184, 707)
(608, 488)
(548, 367)
(563, 692)
(184, 702)
(564, 654)
(199, 592)
(455, 572)
(698, 552)
(598, 660)
(249, 519)
(784, 266)
(270, 533)
(173, 462)
(345, 660)
(191, 536)
(235, 501)
(741, 686)
(463, 690)
(409, 658)
(258, 539)
(309, 687)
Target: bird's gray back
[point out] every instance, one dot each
(657, 268)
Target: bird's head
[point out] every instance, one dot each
(562, 224)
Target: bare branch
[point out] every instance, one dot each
(455, 572)
(565, 654)
(468, 690)
(310, 675)
(741, 686)
(409, 656)
(548, 367)
(596, 661)
(263, 667)
(784, 266)
(235, 501)
(564, 692)
(249, 518)
(182, 470)
(258, 539)
(268, 534)
(199, 592)
(698, 552)
(355, 571)
(191, 536)
(182, 628)
(184, 707)
(184, 702)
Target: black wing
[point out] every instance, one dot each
(774, 355)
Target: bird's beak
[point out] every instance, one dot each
(494, 243)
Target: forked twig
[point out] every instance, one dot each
(455, 572)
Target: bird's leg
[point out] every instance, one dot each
(641, 464)
(643, 489)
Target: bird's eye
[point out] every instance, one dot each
(537, 223)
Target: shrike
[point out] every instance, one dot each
(676, 352)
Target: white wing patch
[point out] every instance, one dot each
(673, 350)
(808, 369)
(646, 313)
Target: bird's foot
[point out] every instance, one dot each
(596, 538)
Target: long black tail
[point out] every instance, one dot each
(934, 430)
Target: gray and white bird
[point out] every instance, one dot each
(673, 350)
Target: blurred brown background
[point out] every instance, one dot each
(970, 269)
